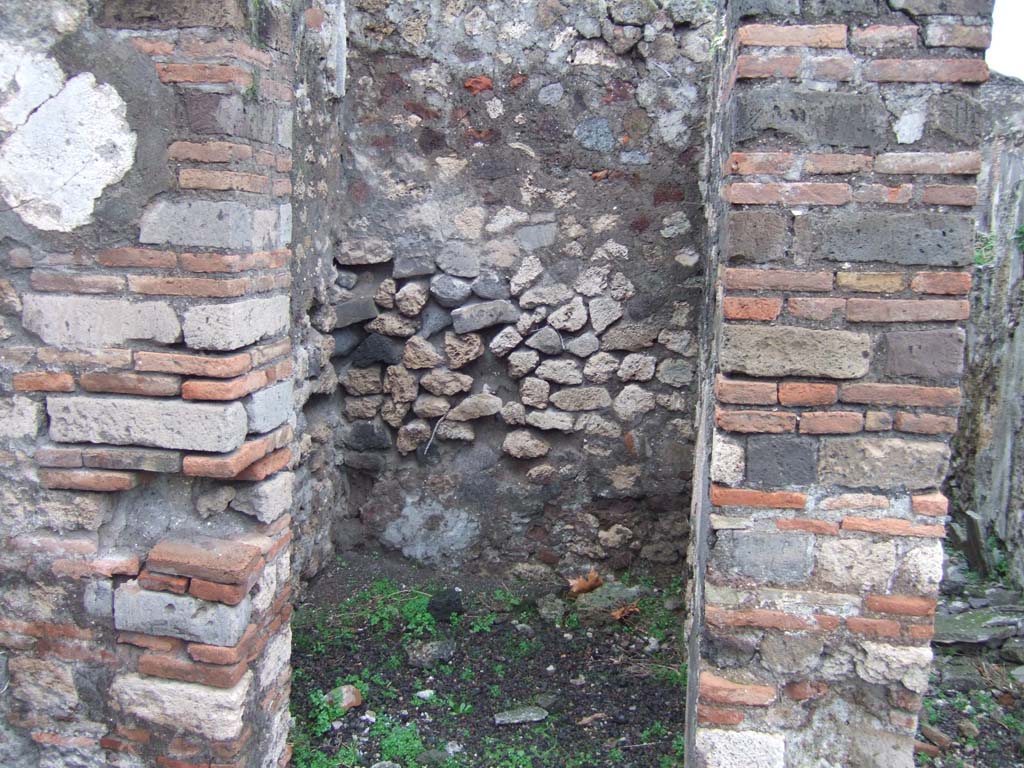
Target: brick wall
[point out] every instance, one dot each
(845, 267)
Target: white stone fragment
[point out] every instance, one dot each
(90, 322)
(224, 327)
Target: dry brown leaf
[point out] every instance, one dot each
(627, 610)
(591, 718)
(584, 584)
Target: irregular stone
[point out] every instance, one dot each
(86, 322)
(412, 435)
(755, 237)
(728, 460)
(181, 616)
(620, 287)
(433, 319)
(637, 367)
(346, 340)
(770, 558)
(570, 317)
(411, 299)
(592, 424)
(430, 407)
(366, 436)
(530, 320)
(490, 285)
(400, 384)
(393, 412)
(778, 461)
(476, 407)
(583, 345)
(933, 239)
(629, 337)
(523, 444)
(446, 383)
(865, 462)
(925, 354)
(413, 265)
(513, 414)
(153, 423)
(475, 317)
(537, 236)
(981, 626)
(385, 294)
(560, 371)
(392, 324)
(362, 381)
(551, 295)
(547, 340)
(621, 40)
(346, 280)
(595, 608)
(550, 94)
(505, 218)
(635, 12)
(551, 608)
(812, 117)
(790, 351)
(550, 419)
(355, 311)
(595, 134)
(214, 502)
(505, 341)
(459, 262)
(451, 430)
(581, 399)
(22, 417)
(855, 564)
(534, 392)
(529, 270)
(633, 401)
(237, 324)
(216, 714)
(48, 686)
(601, 367)
(884, 664)
(375, 349)
(592, 281)
(675, 373)
(362, 407)
(521, 363)
(267, 500)
(462, 350)
(449, 291)
(269, 408)
(520, 715)
(420, 354)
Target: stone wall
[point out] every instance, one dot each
(845, 266)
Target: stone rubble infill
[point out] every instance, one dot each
(521, 715)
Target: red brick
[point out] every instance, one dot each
(883, 628)
(225, 750)
(831, 422)
(834, 163)
(756, 617)
(924, 748)
(900, 394)
(265, 467)
(822, 527)
(745, 392)
(209, 151)
(815, 308)
(162, 582)
(64, 458)
(73, 283)
(150, 642)
(749, 308)
(171, 668)
(775, 422)
(757, 163)
(313, 18)
(835, 68)
(275, 89)
(54, 544)
(921, 632)
(855, 501)
(776, 280)
(958, 36)
(884, 36)
(131, 384)
(798, 393)
(904, 605)
(87, 480)
(283, 163)
(872, 282)
(204, 557)
(219, 654)
(139, 735)
(890, 526)
(965, 195)
(152, 47)
(944, 283)
(222, 181)
(930, 504)
(955, 163)
(45, 629)
(229, 465)
(194, 365)
(117, 745)
(198, 287)
(788, 193)
(140, 459)
(138, 257)
(718, 716)
(235, 49)
(877, 421)
(796, 36)
(234, 262)
(745, 497)
(229, 594)
(282, 187)
(925, 423)
(804, 690)
(721, 691)
(113, 565)
(223, 389)
(43, 381)
(752, 66)
(478, 84)
(926, 71)
(203, 73)
(60, 740)
(879, 193)
(906, 310)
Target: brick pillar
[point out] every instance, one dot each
(151, 420)
(848, 184)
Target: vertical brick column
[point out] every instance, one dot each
(161, 395)
(846, 262)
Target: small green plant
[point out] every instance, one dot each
(483, 623)
(348, 756)
(654, 732)
(674, 676)
(418, 620)
(402, 744)
(322, 713)
(1018, 238)
(984, 249)
(507, 599)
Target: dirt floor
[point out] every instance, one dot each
(603, 695)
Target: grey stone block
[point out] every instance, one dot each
(367, 436)
(819, 9)
(354, 311)
(773, 558)
(491, 285)
(925, 354)
(270, 407)
(959, 117)
(375, 349)
(537, 236)
(767, 7)
(433, 319)
(864, 462)
(934, 239)
(944, 7)
(98, 598)
(162, 613)
(145, 459)
(777, 461)
(148, 422)
(224, 327)
(478, 316)
(267, 500)
(756, 237)
(792, 351)
(222, 224)
(84, 321)
(346, 339)
(414, 264)
(840, 119)
(459, 261)
(449, 291)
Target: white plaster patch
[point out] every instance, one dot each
(55, 166)
(740, 749)
(27, 79)
(910, 127)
